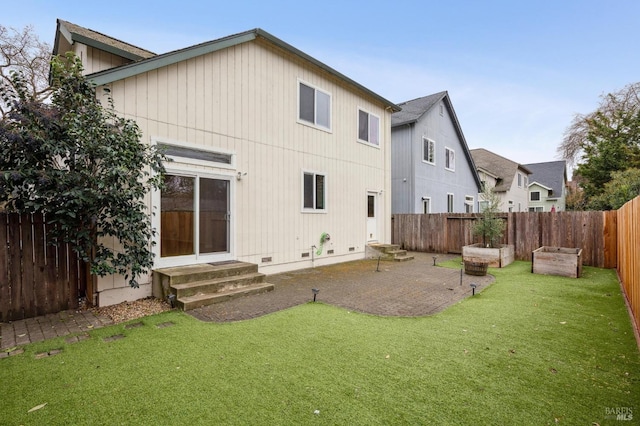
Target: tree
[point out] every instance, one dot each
(623, 186)
(84, 167)
(22, 51)
(606, 140)
(490, 227)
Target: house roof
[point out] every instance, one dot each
(416, 108)
(151, 62)
(499, 166)
(75, 33)
(413, 110)
(552, 174)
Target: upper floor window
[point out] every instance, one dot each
(519, 180)
(314, 106)
(428, 151)
(449, 159)
(535, 196)
(313, 192)
(368, 128)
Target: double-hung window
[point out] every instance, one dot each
(428, 151)
(314, 192)
(535, 196)
(449, 159)
(314, 106)
(368, 128)
(449, 203)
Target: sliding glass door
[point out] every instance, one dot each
(195, 218)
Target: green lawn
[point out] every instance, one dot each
(529, 349)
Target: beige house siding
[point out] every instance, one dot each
(244, 100)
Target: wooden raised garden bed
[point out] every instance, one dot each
(497, 257)
(566, 262)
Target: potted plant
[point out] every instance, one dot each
(491, 228)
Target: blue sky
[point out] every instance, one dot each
(517, 71)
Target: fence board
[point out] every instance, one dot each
(628, 230)
(4, 270)
(35, 278)
(527, 231)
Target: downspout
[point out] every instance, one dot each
(412, 169)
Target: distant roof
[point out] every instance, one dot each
(498, 166)
(73, 33)
(416, 108)
(151, 61)
(552, 174)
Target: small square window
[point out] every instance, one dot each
(535, 195)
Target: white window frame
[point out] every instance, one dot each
(449, 159)
(431, 150)
(519, 180)
(426, 205)
(536, 209)
(468, 202)
(450, 202)
(315, 123)
(370, 126)
(313, 209)
(535, 192)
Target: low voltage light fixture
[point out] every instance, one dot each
(473, 288)
(315, 293)
(434, 260)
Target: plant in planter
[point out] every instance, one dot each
(491, 228)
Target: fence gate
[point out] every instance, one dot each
(36, 278)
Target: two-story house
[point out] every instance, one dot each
(508, 179)
(547, 186)
(432, 169)
(278, 159)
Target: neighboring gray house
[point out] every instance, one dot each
(547, 186)
(432, 170)
(507, 178)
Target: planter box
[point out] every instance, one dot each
(497, 257)
(566, 262)
(475, 267)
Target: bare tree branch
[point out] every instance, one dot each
(21, 51)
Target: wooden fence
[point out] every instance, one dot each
(35, 278)
(594, 232)
(629, 255)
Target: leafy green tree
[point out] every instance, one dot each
(605, 141)
(490, 227)
(623, 186)
(84, 167)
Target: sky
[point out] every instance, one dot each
(517, 71)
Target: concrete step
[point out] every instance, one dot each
(403, 258)
(204, 272)
(197, 300)
(216, 285)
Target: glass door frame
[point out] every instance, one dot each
(165, 262)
